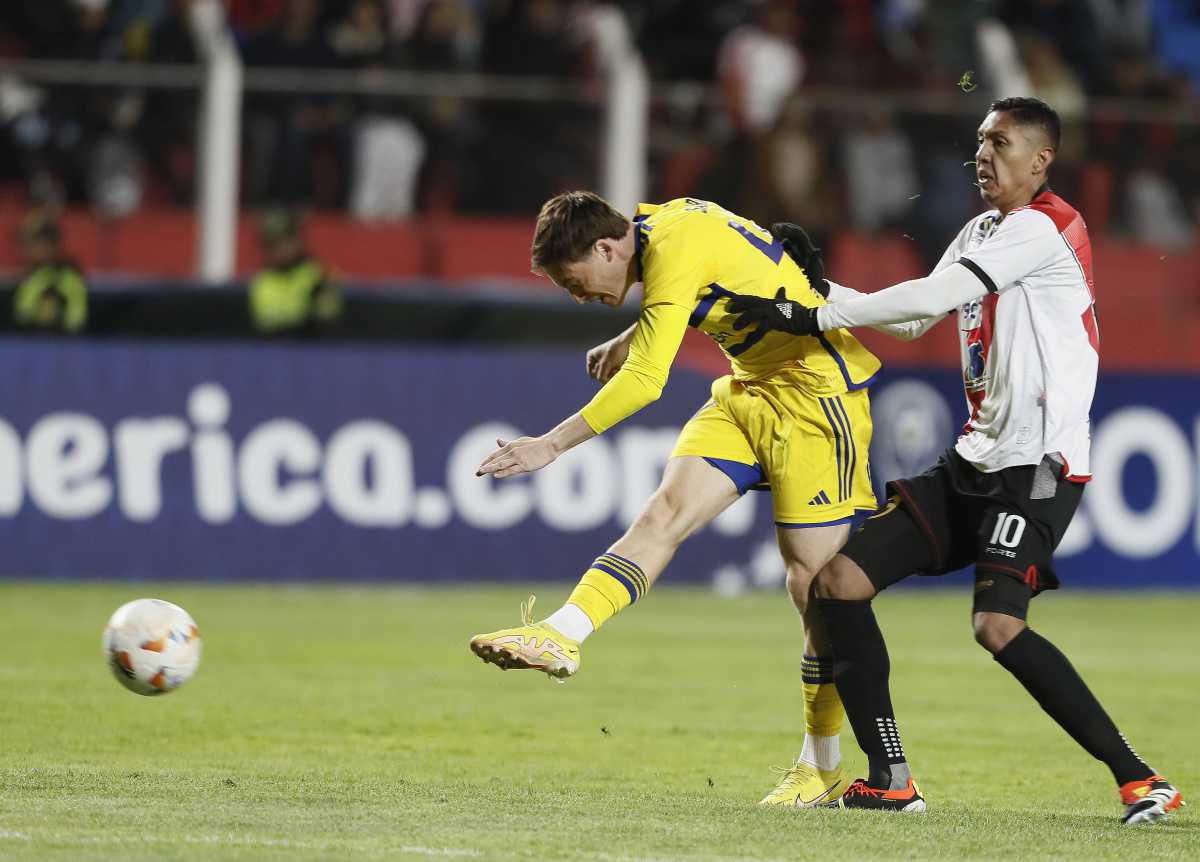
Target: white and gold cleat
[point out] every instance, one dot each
(531, 645)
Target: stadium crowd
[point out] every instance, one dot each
(799, 129)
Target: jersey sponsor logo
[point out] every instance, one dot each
(970, 315)
(785, 308)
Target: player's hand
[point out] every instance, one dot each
(605, 360)
(779, 314)
(523, 455)
(800, 248)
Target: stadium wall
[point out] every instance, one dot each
(270, 461)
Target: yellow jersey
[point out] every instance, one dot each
(693, 256)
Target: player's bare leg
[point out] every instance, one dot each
(816, 776)
(691, 494)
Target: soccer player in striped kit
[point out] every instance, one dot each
(1018, 278)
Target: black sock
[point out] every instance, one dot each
(1057, 687)
(860, 671)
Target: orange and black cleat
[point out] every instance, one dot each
(1149, 800)
(862, 795)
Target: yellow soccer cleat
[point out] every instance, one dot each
(805, 786)
(530, 645)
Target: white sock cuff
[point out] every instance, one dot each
(823, 752)
(571, 621)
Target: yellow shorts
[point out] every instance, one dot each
(811, 451)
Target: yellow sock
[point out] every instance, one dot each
(612, 583)
(823, 712)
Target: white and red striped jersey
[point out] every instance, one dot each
(1030, 346)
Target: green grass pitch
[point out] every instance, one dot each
(354, 723)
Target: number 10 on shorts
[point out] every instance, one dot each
(1009, 529)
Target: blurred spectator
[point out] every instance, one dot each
(387, 149)
(294, 293)
(760, 65)
(1156, 213)
(1071, 26)
(288, 133)
(166, 134)
(444, 37)
(360, 38)
(532, 38)
(52, 294)
(527, 37)
(799, 177)
(1053, 80)
(881, 172)
(679, 38)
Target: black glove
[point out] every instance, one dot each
(779, 313)
(801, 249)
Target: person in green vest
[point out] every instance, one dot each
(294, 293)
(52, 295)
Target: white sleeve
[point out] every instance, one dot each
(907, 301)
(1019, 245)
(904, 331)
(954, 250)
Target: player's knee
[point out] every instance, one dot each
(841, 578)
(993, 631)
(799, 583)
(662, 516)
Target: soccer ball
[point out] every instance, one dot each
(152, 646)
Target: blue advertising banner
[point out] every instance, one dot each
(268, 461)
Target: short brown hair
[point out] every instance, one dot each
(569, 224)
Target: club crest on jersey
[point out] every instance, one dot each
(975, 372)
(986, 224)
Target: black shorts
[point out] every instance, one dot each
(1006, 523)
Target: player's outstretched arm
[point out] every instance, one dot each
(527, 454)
(919, 298)
(908, 301)
(908, 331)
(605, 360)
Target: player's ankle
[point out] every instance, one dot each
(823, 752)
(572, 622)
(889, 776)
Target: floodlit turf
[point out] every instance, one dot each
(356, 724)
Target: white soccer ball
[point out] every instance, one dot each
(152, 646)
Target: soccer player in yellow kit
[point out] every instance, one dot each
(793, 414)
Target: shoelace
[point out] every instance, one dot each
(527, 611)
(527, 620)
(861, 788)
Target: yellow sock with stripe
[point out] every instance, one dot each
(610, 584)
(823, 713)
